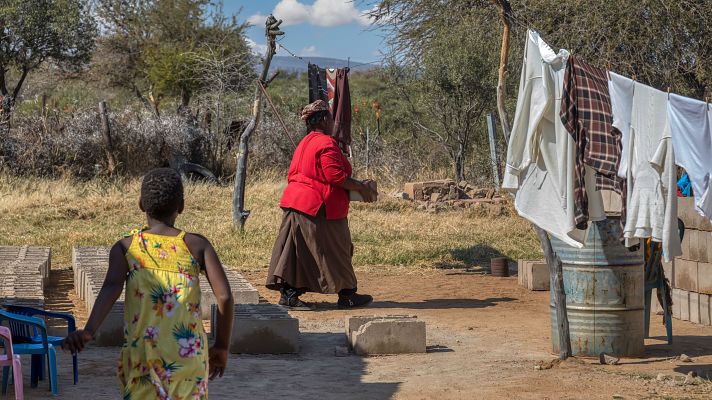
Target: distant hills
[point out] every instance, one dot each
(293, 64)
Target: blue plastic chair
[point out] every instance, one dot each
(31, 327)
(55, 341)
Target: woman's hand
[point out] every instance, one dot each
(368, 192)
(75, 341)
(217, 362)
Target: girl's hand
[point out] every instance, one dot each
(76, 341)
(217, 362)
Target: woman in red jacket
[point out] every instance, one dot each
(313, 250)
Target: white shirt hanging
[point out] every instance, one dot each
(541, 153)
(691, 128)
(621, 90)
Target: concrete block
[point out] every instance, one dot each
(705, 317)
(533, 274)
(242, 291)
(676, 300)
(684, 305)
(386, 335)
(111, 331)
(414, 190)
(707, 238)
(685, 245)
(263, 329)
(686, 274)
(694, 253)
(695, 307)
(686, 212)
(704, 278)
(669, 269)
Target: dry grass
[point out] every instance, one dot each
(391, 234)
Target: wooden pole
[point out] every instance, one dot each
(239, 214)
(106, 131)
(555, 268)
(505, 12)
(492, 131)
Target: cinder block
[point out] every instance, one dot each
(686, 274)
(387, 335)
(263, 329)
(242, 291)
(685, 245)
(704, 278)
(537, 275)
(707, 238)
(111, 331)
(686, 212)
(676, 303)
(669, 269)
(694, 254)
(695, 307)
(705, 317)
(684, 305)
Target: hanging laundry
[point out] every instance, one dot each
(691, 128)
(621, 90)
(341, 110)
(330, 87)
(541, 153)
(317, 83)
(586, 114)
(684, 188)
(651, 174)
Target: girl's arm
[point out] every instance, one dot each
(225, 302)
(110, 291)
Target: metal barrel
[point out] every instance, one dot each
(604, 285)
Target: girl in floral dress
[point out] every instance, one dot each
(165, 353)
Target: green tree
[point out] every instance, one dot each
(151, 46)
(33, 32)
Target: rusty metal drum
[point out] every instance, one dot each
(604, 285)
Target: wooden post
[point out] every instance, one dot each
(106, 131)
(368, 160)
(239, 214)
(492, 130)
(505, 12)
(555, 267)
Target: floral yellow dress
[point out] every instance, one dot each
(165, 352)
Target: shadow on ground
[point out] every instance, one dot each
(693, 346)
(430, 304)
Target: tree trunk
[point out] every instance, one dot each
(555, 267)
(239, 214)
(505, 11)
(460, 163)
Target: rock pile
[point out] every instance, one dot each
(447, 193)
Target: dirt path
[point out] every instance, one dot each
(485, 335)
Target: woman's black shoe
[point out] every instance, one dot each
(290, 300)
(354, 300)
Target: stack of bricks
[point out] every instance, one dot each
(691, 274)
(24, 273)
(90, 265)
(242, 291)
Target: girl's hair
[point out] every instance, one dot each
(161, 192)
(316, 118)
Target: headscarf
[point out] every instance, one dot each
(309, 110)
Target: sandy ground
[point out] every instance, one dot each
(485, 335)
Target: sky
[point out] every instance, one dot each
(313, 28)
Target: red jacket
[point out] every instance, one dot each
(318, 168)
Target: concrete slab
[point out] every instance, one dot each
(371, 335)
(676, 300)
(686, 274)
(25, 272)
(262, 329)
(704, 278)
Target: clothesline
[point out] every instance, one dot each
(291, 53)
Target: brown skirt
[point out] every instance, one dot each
(312, 254)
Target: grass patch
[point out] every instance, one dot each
(63, 213)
